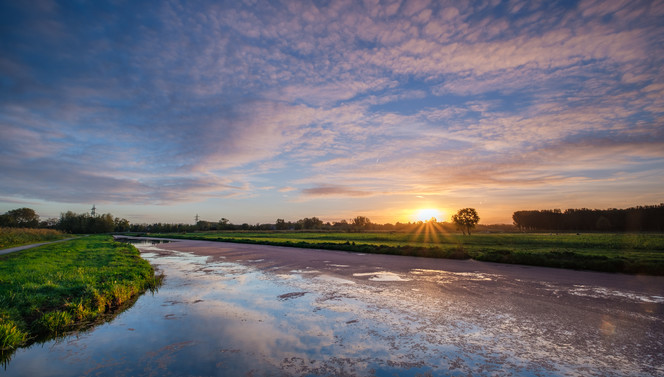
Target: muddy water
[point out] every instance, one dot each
(217, 316)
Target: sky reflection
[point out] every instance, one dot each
(214, 317)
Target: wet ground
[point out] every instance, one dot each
(231, 309)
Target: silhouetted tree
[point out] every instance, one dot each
(341, 225)
(310, 223)
(466, 219)
(224, 224)
(642, 218)
(281, 224)
(361, 222)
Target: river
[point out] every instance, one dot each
(250, 310)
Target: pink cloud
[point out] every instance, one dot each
(330, 190)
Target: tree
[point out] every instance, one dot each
(310, 223)
(121, 225)
(361, 222)
(342, 225)
(101, 224)
(466, 219)
(20, 218)
(84, 223)
(281, 224)
(224, 224)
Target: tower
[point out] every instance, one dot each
(93, 211)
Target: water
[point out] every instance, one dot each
(215, 317)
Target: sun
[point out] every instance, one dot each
(426, 214)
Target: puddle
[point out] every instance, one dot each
(446, 277)
(141, 241)
(600, 292)
(382, 276)
(333, 280)
(215, 317)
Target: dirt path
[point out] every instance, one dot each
(24, 247)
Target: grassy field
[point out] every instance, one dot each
(10, 237)
(629, 253)
(56, 288)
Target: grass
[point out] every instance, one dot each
(53, 289)
(10, 237)
(615, 252)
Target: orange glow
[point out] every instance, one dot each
(429, 232)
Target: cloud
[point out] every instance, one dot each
(329, 190)
(336, 99)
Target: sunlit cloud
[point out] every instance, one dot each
(183, 103)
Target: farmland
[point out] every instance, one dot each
(609, 252)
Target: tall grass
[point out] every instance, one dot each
(10, 237)
(55, 288)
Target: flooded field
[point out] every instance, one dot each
(239, 311)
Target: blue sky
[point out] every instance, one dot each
(256, 110)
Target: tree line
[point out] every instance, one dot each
(69, 222)
(465, 220)
(641, 218)
(357, 224)
(85, 223)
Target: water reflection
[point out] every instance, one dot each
(220, 318)
(214, 317)
(141, 241)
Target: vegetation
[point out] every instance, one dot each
(466, 219)
(10, 237)
(20, 218)
(636, 219)
(628, 253)
(71, 222)
(60, 287)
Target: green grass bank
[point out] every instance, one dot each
(53, 289)
(10, 237)
(607, 252)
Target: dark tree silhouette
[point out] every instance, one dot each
(361, 222)
(466, 219)
(642, 218)
(281, 224)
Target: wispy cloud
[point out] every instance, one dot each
(187, 102)
(334, 191)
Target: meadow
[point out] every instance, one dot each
(10, 237)
(610, 252)
(56, 288)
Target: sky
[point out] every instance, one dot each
(158, 111)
